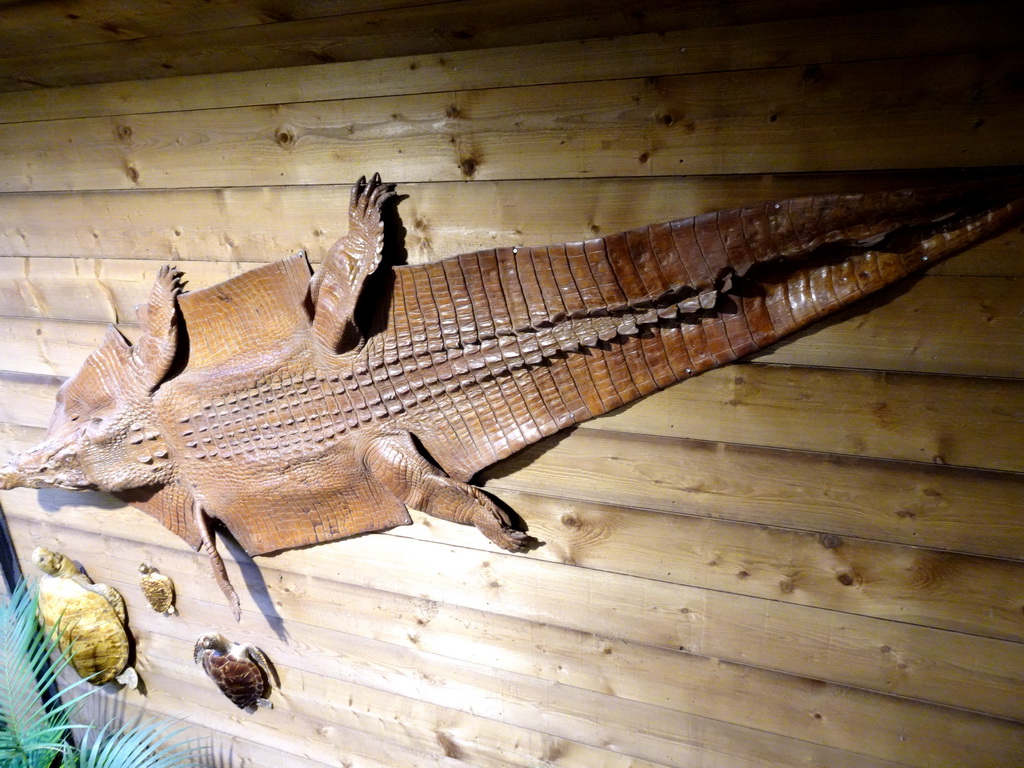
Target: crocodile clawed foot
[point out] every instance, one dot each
(508, 539)
(488, 518)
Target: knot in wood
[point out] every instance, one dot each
(830, 541)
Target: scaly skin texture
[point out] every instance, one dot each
(309, 408)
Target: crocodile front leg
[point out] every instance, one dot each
(154, 352)
(337, 285)
(396, 462)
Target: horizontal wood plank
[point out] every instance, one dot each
(855, 116)
(94, 290)
(364, 670)
(876, 579)
(339, 718)
(430, 28)
(266, 223)
(320, 740)
(932, 419)
(337, 721)
(932, 506)
(961, 325)
(41, 348)
(943, 30)
(715, 744)
(35, 28)
(110, 705)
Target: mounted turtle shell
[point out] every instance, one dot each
(91, 616)
(240, 670)
(158, 589)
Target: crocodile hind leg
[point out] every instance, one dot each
(396, 462)
(216, 561)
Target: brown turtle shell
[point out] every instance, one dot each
(239, 679)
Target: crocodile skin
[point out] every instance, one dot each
(297, 409)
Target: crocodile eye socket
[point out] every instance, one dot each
(94, 431)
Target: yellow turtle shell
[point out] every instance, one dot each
(158, 589)
(91, 616)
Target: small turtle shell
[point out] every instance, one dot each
(239, 679)
(158, 589)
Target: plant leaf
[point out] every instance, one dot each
(35, 724)
(139, 744)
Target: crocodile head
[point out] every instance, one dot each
(102, 434)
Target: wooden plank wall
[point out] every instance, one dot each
(810, 559)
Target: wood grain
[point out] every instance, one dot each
(296, 39)
(340, 719)
(33, 28)
(980, 322)
(715, 744)
(266, 223)
(324, 742)
(434, 27)
(944, 30)
(934, 506)
(789, 119)
(912, 585)
(932, 419)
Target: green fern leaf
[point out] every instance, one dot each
(35, 727)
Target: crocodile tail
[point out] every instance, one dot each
(500, 348)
